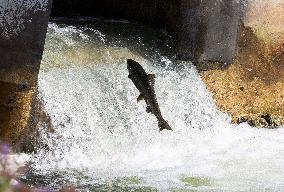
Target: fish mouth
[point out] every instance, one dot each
(129, 60)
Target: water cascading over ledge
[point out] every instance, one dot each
(104, 139)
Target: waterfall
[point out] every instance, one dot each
(103, 135)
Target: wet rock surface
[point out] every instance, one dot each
(252, 89)
(21, 116)
(15, 110)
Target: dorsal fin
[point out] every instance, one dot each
(139, 98)
(151, 78)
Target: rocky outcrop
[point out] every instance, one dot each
(252, 88)
(15, 107)
(21, 116)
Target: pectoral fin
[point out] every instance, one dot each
(151, 78)
(139, 98)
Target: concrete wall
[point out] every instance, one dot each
(222, 26)
(209, 30)
(23, 25)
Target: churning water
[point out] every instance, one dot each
(105, 141)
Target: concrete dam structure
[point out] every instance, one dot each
(204, 31)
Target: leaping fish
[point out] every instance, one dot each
(145, 84)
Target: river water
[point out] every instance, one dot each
(105, 141)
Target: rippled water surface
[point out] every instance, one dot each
(105, 141)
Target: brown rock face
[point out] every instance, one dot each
(21, 116)
(15, 108)
(252, 89)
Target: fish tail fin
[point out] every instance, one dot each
(164, 125)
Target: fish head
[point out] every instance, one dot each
(135, 69)
(133, 66)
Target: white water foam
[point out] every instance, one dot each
(103, 133)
